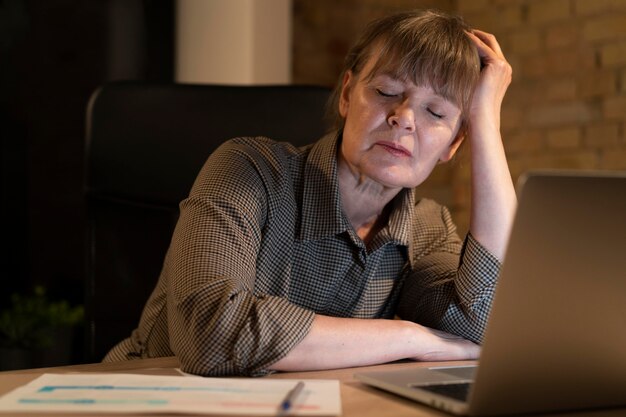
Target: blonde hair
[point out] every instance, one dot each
(427, 47)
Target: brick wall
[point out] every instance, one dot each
(566, 107)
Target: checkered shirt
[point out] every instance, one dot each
(262, 245)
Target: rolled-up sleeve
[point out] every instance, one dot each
(450, 285)
(218, 324)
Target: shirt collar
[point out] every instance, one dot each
(322, 215)
(399, 226)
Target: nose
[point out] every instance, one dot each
(402, 117)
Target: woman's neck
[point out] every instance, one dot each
(363, 201)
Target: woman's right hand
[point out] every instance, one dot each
(437, 345)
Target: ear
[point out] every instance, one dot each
(344, 97)
(454, 146)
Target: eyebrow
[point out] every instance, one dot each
(388, 74)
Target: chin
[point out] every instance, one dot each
(396, 181)
(392, 175)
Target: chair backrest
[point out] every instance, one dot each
(145, 145)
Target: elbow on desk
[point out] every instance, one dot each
(215, 367)
(218, 354)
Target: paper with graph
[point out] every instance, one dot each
(130, 393)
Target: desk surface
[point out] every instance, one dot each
(358, 400)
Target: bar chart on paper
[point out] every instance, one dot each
(124, 393)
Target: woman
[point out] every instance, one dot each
(297, 259)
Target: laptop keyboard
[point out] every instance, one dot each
(458, 391)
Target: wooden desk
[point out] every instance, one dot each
(358, 400)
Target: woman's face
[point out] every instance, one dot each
(395, 131)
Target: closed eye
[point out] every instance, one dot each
(435, 114)
(384, 94)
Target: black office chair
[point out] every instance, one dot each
(145, 145)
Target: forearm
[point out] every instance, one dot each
(493, 194)
(346, 342)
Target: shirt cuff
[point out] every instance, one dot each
(478, 273)
(294, 325)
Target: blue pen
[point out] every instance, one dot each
(291, 397)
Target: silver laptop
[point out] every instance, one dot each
(556, 336)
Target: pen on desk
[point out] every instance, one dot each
(291, 397)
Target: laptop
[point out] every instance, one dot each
(556, 335)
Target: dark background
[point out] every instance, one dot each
(54, 54)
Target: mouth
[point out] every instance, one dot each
(394, 148)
